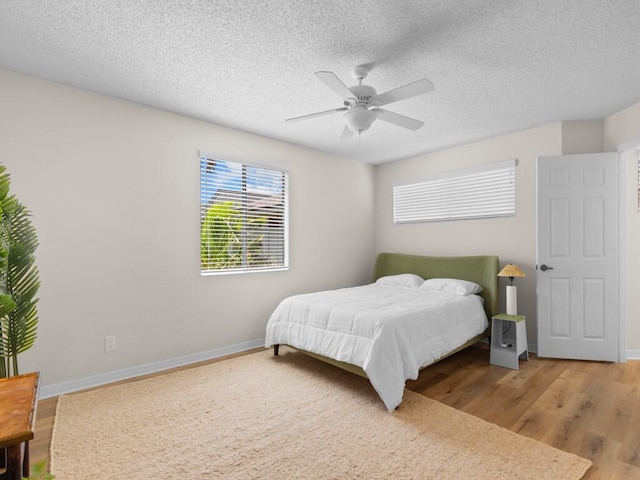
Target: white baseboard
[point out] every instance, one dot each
(54, 390)
(633, 354)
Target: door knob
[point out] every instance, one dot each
(544, 268)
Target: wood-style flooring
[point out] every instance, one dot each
(591, 409)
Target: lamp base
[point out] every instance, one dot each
(512, 300)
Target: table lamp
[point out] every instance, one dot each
(511, 271)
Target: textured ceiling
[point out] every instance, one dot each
(498, 65)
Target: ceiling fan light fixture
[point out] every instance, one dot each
(360, 118)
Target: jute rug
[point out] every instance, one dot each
(287, 417)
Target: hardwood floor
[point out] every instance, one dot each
(591, 409)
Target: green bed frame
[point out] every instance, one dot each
(481, 269)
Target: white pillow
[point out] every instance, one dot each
(402, 280)
(452, 285)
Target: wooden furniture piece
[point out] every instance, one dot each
(508, 340)
(18, 401)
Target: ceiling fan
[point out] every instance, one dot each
(362, 102)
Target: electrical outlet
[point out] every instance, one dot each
(110, 343)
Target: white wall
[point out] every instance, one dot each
(582, 136)
(114, 190)
(622, 128)
(513, 239)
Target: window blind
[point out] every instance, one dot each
(487, 191)
(243, 217)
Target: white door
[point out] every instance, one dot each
(577, 277)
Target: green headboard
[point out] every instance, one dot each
(481, 269)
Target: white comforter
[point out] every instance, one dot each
(389, 331)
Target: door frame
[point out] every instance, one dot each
(621, 149)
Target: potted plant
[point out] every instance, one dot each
(19, 279)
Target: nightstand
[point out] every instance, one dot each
(508, 340)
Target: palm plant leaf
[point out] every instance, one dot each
(19, 279)
(5, 182)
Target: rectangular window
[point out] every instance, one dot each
(487, 191)
(243, 217)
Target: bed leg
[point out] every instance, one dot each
(276, 349)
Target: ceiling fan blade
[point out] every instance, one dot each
(335, 84)
(346, 133)
(407, 91)
(397, 119)
(317, 114)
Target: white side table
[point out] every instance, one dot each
(508, 340)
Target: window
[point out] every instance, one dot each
(243, 217)
(487, 191)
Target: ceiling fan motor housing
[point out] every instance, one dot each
(363, 93)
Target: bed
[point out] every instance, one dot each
(418, 310)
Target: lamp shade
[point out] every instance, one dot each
(511, 270)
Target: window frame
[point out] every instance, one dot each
(243, 196)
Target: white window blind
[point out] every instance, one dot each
(487, 191)
(243, 217)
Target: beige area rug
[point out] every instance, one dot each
(287, 417)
